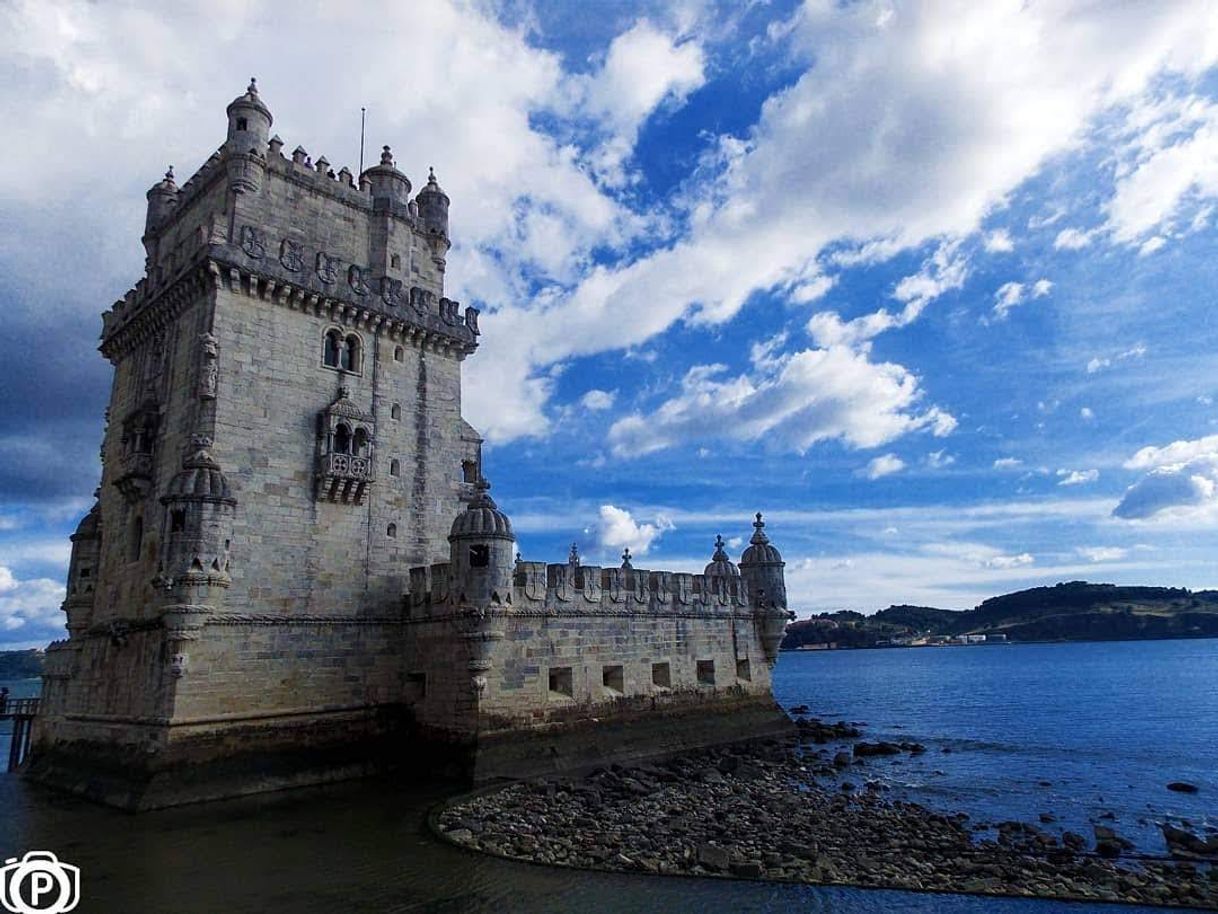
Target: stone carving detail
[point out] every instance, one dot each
(290, 256)
(392, 291)
(327, 267)
(421, 299)
(357, 279)
(448, 311)
(209, 367)
(252, 242)
(471, 320)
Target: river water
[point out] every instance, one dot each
(1106, 725)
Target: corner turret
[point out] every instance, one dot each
(761, 567)
(482, 553)
(385, 181)
(433, 208)
(162, 199)
(249, 122)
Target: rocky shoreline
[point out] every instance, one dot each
(758, 811)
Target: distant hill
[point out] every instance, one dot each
(21, 664)
(1073, 611)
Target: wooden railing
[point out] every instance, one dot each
(22, 712)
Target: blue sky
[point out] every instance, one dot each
(931, 285)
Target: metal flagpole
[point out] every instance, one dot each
(362, 114)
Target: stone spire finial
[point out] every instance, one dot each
(626, 558)
(252, 89)
(431, 175)
(720, 555)
(169, 174)
(386, 156)
(573, 555)
(759, 537)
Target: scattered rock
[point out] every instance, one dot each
(749, 869)
(863, 749)
(841, 760)
(1186, 845)
(1182, 787)
(715, 859)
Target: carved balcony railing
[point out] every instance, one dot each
(344, 477)
(135, 476)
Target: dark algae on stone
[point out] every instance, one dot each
(775, 810)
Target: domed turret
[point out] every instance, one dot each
(82, 571)
(199, 506)
(482, 552)
(720, 565)
(200, 479)
(162, 199)
(433, 207)
(385, 181)
(249, 122)
(761, 566)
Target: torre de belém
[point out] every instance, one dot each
(295, 572)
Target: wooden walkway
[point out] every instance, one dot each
(21, 711)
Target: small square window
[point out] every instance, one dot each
(613, 679)
(744, 671)
(479, 556)
(661, 675)
(561, 682)
(706, 672)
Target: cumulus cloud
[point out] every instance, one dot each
(29, 609)
(1098, 363)
(999, 242)
(939, 459)
(1007, 86)
(1071, 239)
(788, 404)
(618, 529)
(1102, 553)
(884, 465)
(1013, 294)
(1086, 413)
(597, 400)
(1181, 482)
(1076, 477)
(942, 272)
(1007, 463)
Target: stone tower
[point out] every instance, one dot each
(284, 442)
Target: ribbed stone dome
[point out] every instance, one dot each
(760, 551)
(90, 525)
(720, 565)
(482, 519)
(431, 188)
(200, 479)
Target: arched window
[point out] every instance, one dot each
(395, 261)
(351, 353)
(136, 544)
(398, 354)
(391, 531)
(332, 349)
(395, 411)
(395, 468)
(360, 447)
(177, 520)
(479, 556)
(342, 439)
(469, 471)
(242, 124)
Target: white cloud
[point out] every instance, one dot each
(1096, 363)
(618, 529)
(1102, 553)
(1071, 239)
(942, 272)
(1150, 245)
(1010, 561)
(884, 465)
(788, 404)
(644, 69)
(999, 242)
(30, 608)
(844, 153)
(937, 460)
(596, 400)
(1076, 477)
(1012, 294)
(1007, 463)
(1181, 482)
(1086, 413)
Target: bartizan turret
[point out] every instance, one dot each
(249, 131)
(432, 205)
(194, 576)
(482, 559)
(761, 567)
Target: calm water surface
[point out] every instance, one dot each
(1081, 716)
